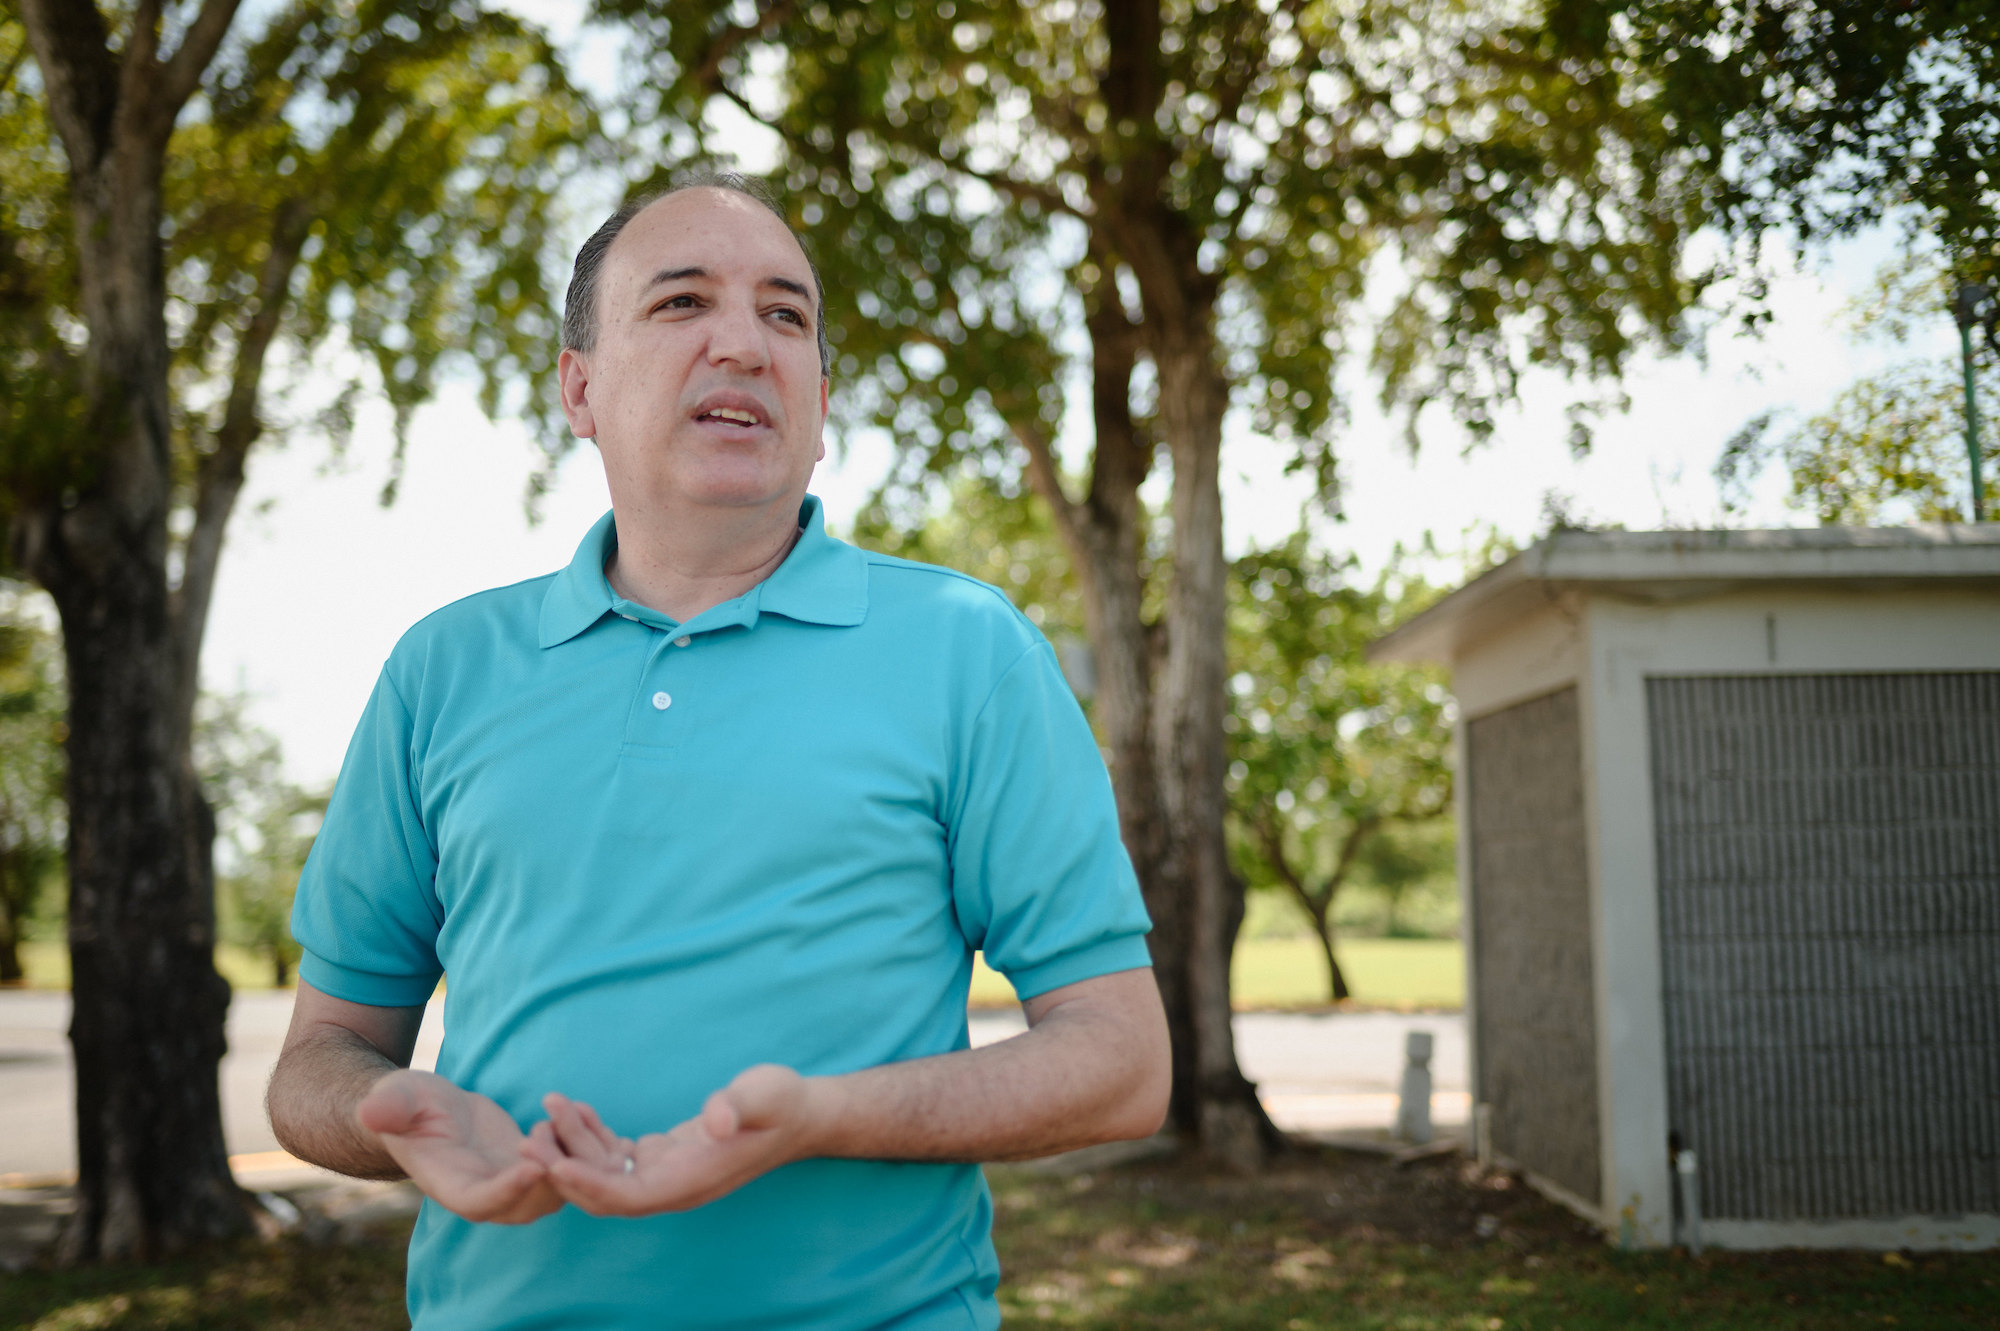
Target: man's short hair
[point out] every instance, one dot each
(579, 325)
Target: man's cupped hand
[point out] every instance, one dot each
(759, 1121)
(465, 1152)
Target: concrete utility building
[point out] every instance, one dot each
(1730, 854)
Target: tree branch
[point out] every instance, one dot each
(1271, 843)
(183, 70)
(142, 44)
(219, 477)
(1046, 477)
(708, 75)
(1051, 200)
(80, 79)
(1020, 189)
(1357, 835)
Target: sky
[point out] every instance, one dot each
(318, 580)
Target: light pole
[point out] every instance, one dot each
(1971, 306)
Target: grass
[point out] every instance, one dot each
(286, 1286)
(1270, 972)
(1323, 1241)
(1347, 1242)
(46, 965)
(1291, 973)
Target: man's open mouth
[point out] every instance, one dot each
(731, 416)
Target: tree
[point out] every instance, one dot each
(1328, 753)
(982, 530)
(1891, 445)
(1825, 116)
(31, 768)
(1178, 206)
(1822, 118)
(365, 190)
(258, 895)
(264, 824)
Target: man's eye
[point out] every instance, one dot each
(676, 303)
(786, 312)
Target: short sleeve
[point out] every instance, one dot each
(367, 912)
(1040, 878)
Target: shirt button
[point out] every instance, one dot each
(663, 700)
(682, 642)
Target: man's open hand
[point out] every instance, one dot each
(462, 1149)
(759, 1121)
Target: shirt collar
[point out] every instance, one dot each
(822, 581)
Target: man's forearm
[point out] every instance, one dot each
(318, 1082)
(1092, 1069)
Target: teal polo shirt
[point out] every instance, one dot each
(649, 854)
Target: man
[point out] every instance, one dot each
(702, 831)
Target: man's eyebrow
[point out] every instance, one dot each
(676, 275)
(798, 289)
(786, 284)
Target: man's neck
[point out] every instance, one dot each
(682, 567)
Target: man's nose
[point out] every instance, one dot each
(736, 335)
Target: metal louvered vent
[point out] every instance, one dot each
(1534, 1002)
(1829, 887)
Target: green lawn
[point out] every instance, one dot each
(1349, 1242)
(1291, 973)
(1270, 972)
(47, 966)
(1323, 1241)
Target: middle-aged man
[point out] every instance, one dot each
(703, 831)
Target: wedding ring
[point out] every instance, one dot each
(631, 1165)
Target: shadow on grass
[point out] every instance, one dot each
(1323, 1240)
(1331, 1240)
(283, 1286)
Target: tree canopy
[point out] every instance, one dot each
(1825, 116)
(1890, 447)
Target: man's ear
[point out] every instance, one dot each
(820, 456)
(573, 375)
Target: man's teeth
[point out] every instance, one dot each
(733, 416)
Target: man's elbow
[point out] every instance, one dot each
(1148, 1090)
(1143, 1113)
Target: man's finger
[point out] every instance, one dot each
(596, 1191)
(541, 1144)
(494, 1197)
(579, 1139)
(539, 1201)
(720, 1116)
(611, 1141)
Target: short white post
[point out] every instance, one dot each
(1690, 1179)
(1413, 1107)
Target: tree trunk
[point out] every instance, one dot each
(1190, 751)
(147, 1005)
(1197, 903)
(1104, 535)
(1335, 980)
(17, 893)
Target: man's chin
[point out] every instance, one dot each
(740, 495)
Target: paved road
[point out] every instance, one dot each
(1315, 1071)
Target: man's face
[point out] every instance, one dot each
(703, 389)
